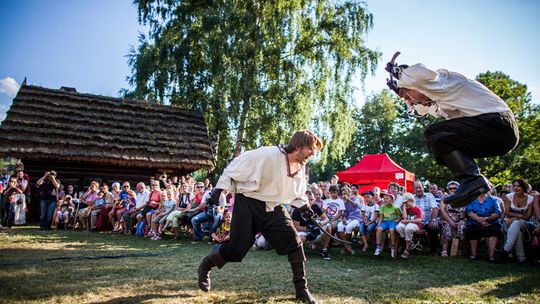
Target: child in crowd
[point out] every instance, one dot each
(222, 233)
(65, 209)
(370, 215)
(158, 222)
(352, 216)
(389, 217)
(411, 223)
(129, 204)
(333, 207)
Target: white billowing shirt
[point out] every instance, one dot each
(332, 207)
(263, 174)
(454, 95)
(141, 198)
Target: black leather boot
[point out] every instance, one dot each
(472, 182)
(211, 260)
(297, 260)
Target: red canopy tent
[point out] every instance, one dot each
(377, 170)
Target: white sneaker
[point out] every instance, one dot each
(392, 253)
(377, 251)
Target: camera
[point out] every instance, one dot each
(313, 233)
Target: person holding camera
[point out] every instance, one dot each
(48, 187)
(263, 180)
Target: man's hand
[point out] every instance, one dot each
(214, 196)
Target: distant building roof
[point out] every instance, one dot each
(69, 126)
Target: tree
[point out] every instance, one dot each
(258, 70)
(524, 160)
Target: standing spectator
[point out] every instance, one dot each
(48, 187)
(433, 188)
(411, 222)
(484, 222)
(4, 177)
(453, 220)
(370, 216)
(334, 180)
(389, 217)
(519, 209)
(430, 212)
(22, 200)
(9, 198)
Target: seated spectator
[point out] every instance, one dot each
(351, 219)
(519, 209)
(333, 207)
(102, 222)
(154, 201)
(377, 196)
(394, 188)
(89, 198)
(208, 214)
(389, 217)
(130, 206)
(141, 197)
(317, 198)
(308, 232)
(483, 222)
(71, 191)
(104, 198)
(370, 216)
(453, 220)
(430, 212)
(64, 212)
(411, 222)
(158, 220)
(535, 223)
(222, 234)
(120, 206)
(185, 201)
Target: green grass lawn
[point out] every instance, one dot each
(30, 273)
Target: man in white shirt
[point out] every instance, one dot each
(264, 180)
(478, 123)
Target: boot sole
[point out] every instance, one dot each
(469, 198)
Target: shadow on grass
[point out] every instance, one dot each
(262, 274)
(143, 297)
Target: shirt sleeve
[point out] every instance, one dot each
(241, 169)
(432, 202)
(341, 205)
(496, 206)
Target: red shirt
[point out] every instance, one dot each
(413, 214)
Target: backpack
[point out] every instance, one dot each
(142, 229)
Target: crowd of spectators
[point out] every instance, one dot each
(375, 219)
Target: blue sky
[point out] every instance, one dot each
(83, 43)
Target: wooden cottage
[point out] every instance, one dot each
(86, 137)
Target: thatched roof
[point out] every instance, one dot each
(47, 124)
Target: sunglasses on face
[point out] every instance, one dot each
(200, 186)
(452, 188)
(126, 186)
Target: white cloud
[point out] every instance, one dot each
(9, 86)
